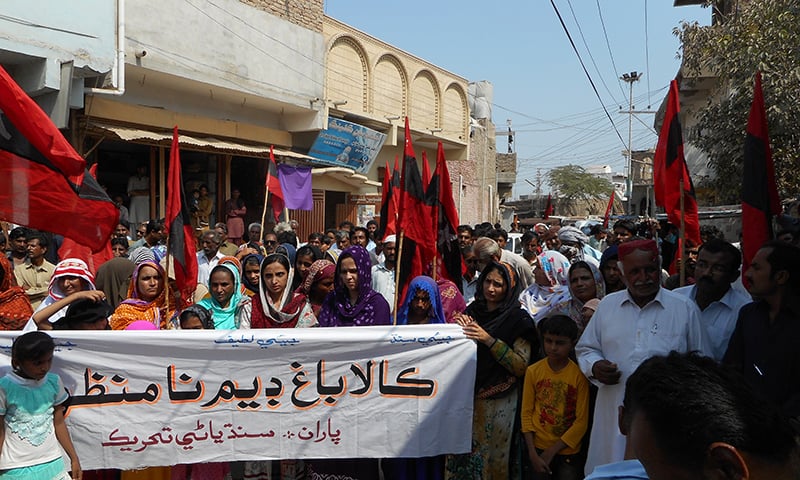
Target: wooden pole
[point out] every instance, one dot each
(397, 277)
(166, 282)
(264, 214)
(682, 241)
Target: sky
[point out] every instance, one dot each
(539, 84)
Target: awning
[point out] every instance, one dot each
(346, 175)
(214, 144)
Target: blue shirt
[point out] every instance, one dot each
(624, 470)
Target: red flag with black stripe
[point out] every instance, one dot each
(759, 193)
(179, 226)
(669, 167)
(415, 221)
(274, 189)
(609, 208)
(43, 180)
(426, 172)
(390, 199)
(548, 209)
(440, 193)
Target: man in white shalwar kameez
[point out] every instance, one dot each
(627, 328)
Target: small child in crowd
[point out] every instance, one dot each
(588, 310)
(555, 404)
(196, 317)
(33, 424)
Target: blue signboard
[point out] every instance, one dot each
(347, 144)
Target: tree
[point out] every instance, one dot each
(760, 35)
(573, 183)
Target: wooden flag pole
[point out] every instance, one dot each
(397, 277)
(264, 214)
(682, 239)
(166, 280)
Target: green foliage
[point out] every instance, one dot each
(573, 183)
(762, 35)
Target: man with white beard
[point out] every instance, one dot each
(627, 328)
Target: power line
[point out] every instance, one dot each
(647, 54)
(588, 76)
(591, 57)
(608, 44)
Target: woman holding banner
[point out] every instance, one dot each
(352, 303)
(507, 340)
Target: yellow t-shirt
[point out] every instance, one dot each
(555, 405)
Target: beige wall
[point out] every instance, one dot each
(378, 80)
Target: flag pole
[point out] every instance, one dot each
(264, 214)
(682, 238)
(397, 277)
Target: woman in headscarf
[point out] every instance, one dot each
(288, 250)
(575, 246)
(146, 299)
(113, 278)
(317, 284)
(230, 308)
(585, 283)
(70, 277)
(251, 273)
(353, 302)
(304, 258)
(453, 302)
(506, 337)
(277, 306)
(551, 276)
(423, 303)
(15, 307)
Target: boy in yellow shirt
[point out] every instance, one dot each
(555, 404)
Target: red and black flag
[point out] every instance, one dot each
(609, 208)
(390, 200)
(548, 209)
(669, 168)
(759, 193)
(426, 172)
(414, 222)
(273, 185)
(451, 264)
(71, 249)
(43, 180)
(179, 226)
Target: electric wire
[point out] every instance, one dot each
(583, 65)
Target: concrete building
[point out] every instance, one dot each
(237, 76)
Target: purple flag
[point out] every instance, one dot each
(296, 186)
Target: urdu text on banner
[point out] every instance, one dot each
(142, 398)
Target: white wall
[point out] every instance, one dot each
(227, 44)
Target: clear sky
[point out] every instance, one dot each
(539, 84)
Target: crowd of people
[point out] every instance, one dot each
(592, 359)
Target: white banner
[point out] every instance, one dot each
(142, 398)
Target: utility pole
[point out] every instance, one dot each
(539, 187)
(510, 137)
(629, 79)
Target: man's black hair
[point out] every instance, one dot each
(466, 228)
(36, 235)
(691, 402)
(717, 245)
(498, 233)
(786, 257)
(18, 232)
(288, 237)
(626, 224)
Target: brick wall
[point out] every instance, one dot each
(305, 13)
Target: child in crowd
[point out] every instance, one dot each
(196, 317)
(33, 418)
(588, 310)
(555, 404)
